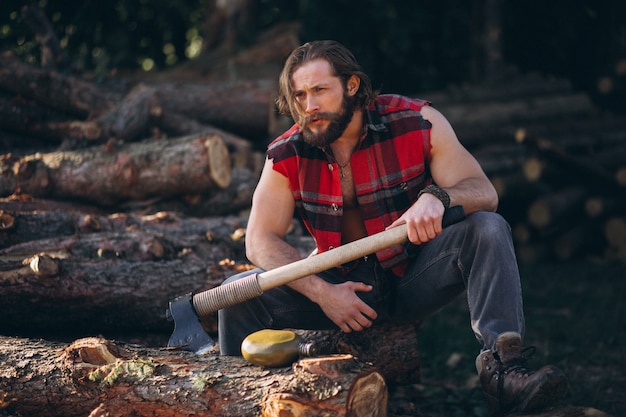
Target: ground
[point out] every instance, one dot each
(575, 317)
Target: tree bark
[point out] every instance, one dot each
(105, 176)
(71, 94)
(243, 108)
(119, 279)
(391, 348)
(96, 375)
(231, 200)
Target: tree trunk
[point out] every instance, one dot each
(108, 175)
(52, 53)
(97, 376)
(391, 348)
(243, 108)
(112, 274)
(73, 95)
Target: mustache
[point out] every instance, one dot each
(319, 116)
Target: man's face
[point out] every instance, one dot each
(325, 108)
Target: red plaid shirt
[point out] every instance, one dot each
(389, 167)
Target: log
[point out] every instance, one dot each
(114, 281)
(240, 148)
(391, 348)
(39, 220)
(516, 110)
(74, 95)
(130, 118)
(242, 108)
(102, 377)
(29, 118)
(235, 198)
(138, 171)
(578, 167)
(559, 205)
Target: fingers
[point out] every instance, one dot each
(357, 324)
(362, 315)
(424, 231)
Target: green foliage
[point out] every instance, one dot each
(408, 47)
(102, 35)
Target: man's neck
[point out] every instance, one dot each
(346, 144)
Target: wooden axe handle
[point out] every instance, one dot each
(235, 292)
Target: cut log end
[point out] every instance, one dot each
(219, 161)
(336, 385)
(369, 397)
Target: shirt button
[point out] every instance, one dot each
(331, 167)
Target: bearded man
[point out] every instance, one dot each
(354, 164)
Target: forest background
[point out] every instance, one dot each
(408, 47)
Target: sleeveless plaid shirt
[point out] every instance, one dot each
(389, 168)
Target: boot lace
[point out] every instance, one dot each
(517, 365)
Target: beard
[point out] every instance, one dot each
(338, 122)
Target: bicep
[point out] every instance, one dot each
(272, 204)
(450, 161)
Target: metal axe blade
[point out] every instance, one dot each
(188, 331)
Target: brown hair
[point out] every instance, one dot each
(342, 62)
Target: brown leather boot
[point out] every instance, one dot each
(509, 386)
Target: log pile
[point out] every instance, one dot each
(557, 162)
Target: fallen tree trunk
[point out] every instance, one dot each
(137, 171)
(71, 94)
(231, 200)
(46, 219)
(244, 108)
(27, 117)
(113, 281)
(98, 376)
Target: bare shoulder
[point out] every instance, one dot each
(442, 133)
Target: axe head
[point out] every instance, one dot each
(188, 331)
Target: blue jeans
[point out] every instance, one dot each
(475, 256)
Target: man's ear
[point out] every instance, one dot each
(353, 84)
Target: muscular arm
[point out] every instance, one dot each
(456, 171)
(270, 218)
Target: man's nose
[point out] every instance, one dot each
(311, 105)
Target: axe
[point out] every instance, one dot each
(185, 311)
